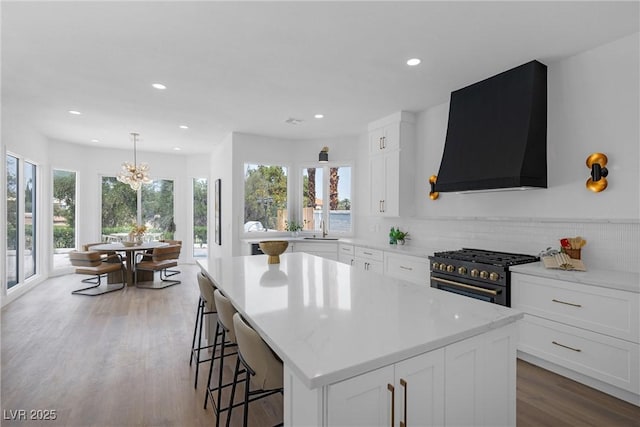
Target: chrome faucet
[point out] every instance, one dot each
(323, 227)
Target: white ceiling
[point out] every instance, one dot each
(248, 66)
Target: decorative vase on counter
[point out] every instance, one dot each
(400, 242)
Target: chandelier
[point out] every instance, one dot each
(133, 174)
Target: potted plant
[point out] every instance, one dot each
(293, 226)
(397, 236)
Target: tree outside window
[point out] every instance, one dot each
(265, 198)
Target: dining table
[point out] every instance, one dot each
(130, 252)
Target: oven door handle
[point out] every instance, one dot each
(462, 285)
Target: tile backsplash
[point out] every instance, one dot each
(611, 245)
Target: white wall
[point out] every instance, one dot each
(593, 106)
(221, 165)
(293, 154)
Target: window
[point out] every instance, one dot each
(265, 198)
(200, 214)
(64, 216)
(29, 219)
(157, 209)
(21, 219)
(120, 209)
(326, 196)
(13, 262)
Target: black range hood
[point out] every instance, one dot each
(497, 133)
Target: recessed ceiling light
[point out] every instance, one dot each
(177, 148)
(183, 127)
(413, 62)
(319, 116)
(74, 112)
(159, 86)
(95, 140)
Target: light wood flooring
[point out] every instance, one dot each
(122, 359)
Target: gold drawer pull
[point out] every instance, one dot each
(403, 383)
(566, 346)
(566, 303)
(406, 268)
(393, 403)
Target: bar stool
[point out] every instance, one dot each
(228, 340)
(206, 306)
(261, 365)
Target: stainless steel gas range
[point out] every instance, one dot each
(476, 273)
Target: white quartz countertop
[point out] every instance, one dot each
(626, 281)
(329, 321)
(407, 249)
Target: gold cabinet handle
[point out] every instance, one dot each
(403, 383)
(566, 303)
(393, 403)
(566, 346)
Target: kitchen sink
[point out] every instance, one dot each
(320, 238)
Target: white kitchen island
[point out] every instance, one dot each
(364, 349)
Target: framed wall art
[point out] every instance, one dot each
(216, 212)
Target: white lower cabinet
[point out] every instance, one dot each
(411, 391)
(406, 267)
(322, 249)
(585, 332)
(346, 253)
(468, 383)
(369, 259)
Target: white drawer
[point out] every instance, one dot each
(315, 248)
(608, 311)
(610, 360)
(346, 258)
(372, 254)
(369, 265)
(406, 267)
(345, 249)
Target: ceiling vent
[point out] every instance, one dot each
(293, 121)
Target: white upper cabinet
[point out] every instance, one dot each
(391, 165)
(384, 139)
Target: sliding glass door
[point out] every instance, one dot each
(21, 193)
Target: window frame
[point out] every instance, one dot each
(75, 228)
(290, 202)
(37, 210)
(326, 168)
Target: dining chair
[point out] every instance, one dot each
(160, 259)
(94, 264)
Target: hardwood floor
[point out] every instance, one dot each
(122, 359)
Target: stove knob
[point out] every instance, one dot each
(451, 268)
(474, 272)
(434, 266)
(462, 270)
(443, 267)
(484, 274)
(494, 276)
